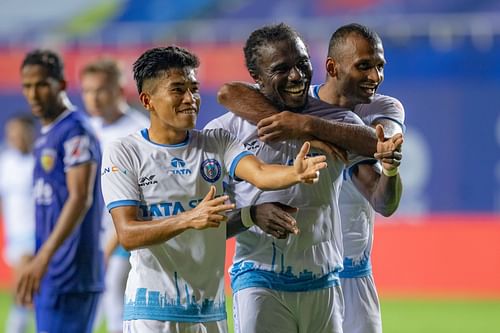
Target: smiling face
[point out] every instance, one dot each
(284, 73)
(359, 69)
(173, 100)
(42, 92)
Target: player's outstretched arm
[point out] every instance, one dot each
(274, 177)
(384, 190)
(80, 183)
(134, 234)
(245, 100)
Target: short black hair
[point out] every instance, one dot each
(339, 37)
(154, 62)
(262, 36)
(48, 59)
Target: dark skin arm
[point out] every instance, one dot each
(247, 102)
(383, 192)
(274, 219)
(80, 183)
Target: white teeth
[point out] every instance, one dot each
(295, 90)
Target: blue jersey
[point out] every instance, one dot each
(77, 266)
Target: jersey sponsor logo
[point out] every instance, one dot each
(113, 169)
(177, 163)
(162, 209)
(252, 145)
(48, 159)
(211, 170)
(169, 208)
(42, 192)
(179, 167)
(148, 180)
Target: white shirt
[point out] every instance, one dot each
(16, 192)
(130, 122)
(307, 261)
(357, 214)
(180, 279)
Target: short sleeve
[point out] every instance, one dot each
(232, 149)
(118, 177)
(383, 107)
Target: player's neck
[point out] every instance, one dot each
(327, 93)
(167, 136)
(51, 117)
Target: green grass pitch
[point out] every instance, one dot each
(402, 315)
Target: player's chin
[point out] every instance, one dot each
(294, 102)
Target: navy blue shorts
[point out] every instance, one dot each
(66, 313)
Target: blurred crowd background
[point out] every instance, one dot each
(442, 62)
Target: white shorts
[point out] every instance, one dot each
(155, 326)
(362, 308)
(261, 310)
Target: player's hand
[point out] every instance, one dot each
(275, 219)
(307, 168)
(209, 213)
(29, 279)
(389, 151)
(282, 126)
(336, 152)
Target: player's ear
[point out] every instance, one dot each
(331, 66)
(145, 99)
(62, 84)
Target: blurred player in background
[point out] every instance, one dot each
(289, 284)
(102, 86)
(65, 277)
(16, 194)
(160, 185)
(354, 67)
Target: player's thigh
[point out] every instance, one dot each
(155, 326)
(261, 310)
(362, 308)
(319, 310)
(68, 313)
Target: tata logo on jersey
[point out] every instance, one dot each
(179, 167)
(164, 209)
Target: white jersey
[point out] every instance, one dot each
(307, 261)
(18, 207)
(182, 278)
(131, 122)
(357, 214)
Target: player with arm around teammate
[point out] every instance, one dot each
(354, 72)
(292, 278)
(161, 187)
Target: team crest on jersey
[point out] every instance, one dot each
(211, 170)
(48, 159)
